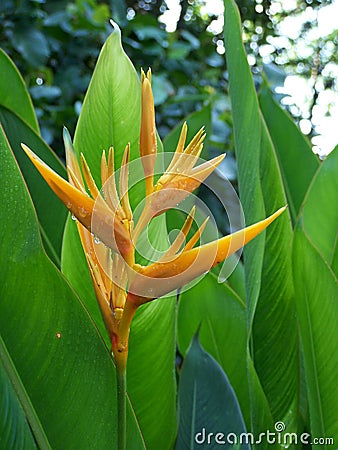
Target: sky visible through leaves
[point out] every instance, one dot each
(298, 90)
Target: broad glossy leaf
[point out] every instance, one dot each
(274, 335)
(55, 348)
(15, 431)
(317, 293)
(111, 116)
(13, 92)
(150, 372)
(297, 162)
(111, 109)
(319, 214)
(271, 310)
(207, 404)
(236, 279)
(247, 131)
(260, 408)
(51, 212)
(220, 314)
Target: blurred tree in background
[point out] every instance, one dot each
(55, 45)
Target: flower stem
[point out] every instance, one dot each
(121, 407)
(120, 352)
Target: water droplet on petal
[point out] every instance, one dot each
(82, 212)
(73, 217)
(97, 240)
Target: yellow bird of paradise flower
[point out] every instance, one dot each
(120, 284)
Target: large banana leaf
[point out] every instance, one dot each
(151, 375)
(13, 93)
(111, 116)
(20, 124)
(247, 131)
(220, 315)
(316, 286)
(319, 214)
(55, 352)
(274, 337)
(15, 430)
(317, 293)
(271, 311)
(111, 109)
(52, 218)
(297, 162)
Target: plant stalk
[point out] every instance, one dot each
(120, 353)
(121, 407)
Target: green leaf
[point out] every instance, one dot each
(15, 431)
(247, 131)
(64, 367)
(267, 262)
(111, 116)
(319, 215)
(13, 92)
(110, 113)
(220, 314)
(297, 161)
(274, 337)
(150, 372)
(236, 279)
(51, 211)
(209, 412)
(316, 294)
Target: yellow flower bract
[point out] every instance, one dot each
(120, 284)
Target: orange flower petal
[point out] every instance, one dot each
(191, 264)
(71, 159)
(148, 142)
(105, 226)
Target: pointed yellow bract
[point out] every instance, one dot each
(106, 224)
(148, 143)
(191, 263)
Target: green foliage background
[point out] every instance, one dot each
(55, 45)
(268, 333)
